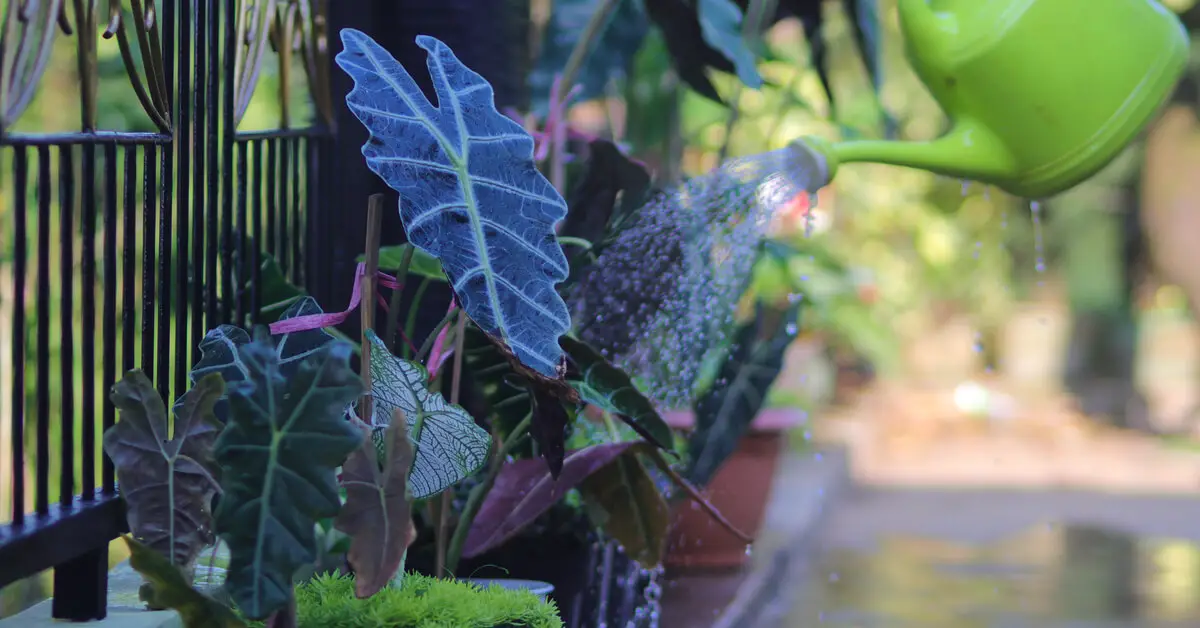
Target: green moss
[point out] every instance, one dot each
(328, 602)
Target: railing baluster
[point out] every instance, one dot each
(45, 210)
(211, 98)
(19, 335)
(66, 358)
(242, 274)
(87, 295)
(259, 188)
(297, 211)
(187, 340)
(268, 188)
(129, 264)
(109, 316)
(279, 186)
(149, 221)
(231, 283)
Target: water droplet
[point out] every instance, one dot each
(795, 297)
(833, 577)
(1035, 209)
(966, 187)
(749, 549)
(792, 329)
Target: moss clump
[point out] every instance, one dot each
(328, 602)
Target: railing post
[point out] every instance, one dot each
(81, 587)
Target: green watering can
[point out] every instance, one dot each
(1042, 93)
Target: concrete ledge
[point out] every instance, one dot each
(805, 486)
(125, 610)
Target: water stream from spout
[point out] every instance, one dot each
(663, 294)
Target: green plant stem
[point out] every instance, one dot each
(410, 324)
(393, 319)
(427, 346)
(443, 520)
(475, 499)
(587, 40)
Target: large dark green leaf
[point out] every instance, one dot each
(165, 468)
(450, 446)
(610, 177)
(422, 264)
(169, 589)
(724, 412)
(623, 500)
(609, 59)
(286, 437)
(610, 389)
(471, 194)
(219, 351)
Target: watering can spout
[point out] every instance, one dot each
(1039, 99)
(967, 152)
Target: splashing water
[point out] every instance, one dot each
(662, 295)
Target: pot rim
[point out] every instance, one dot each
(768, 420)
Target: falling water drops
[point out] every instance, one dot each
(795, 297)
(749, 549)
(1035, 209)
(966, 187)
(792, 329)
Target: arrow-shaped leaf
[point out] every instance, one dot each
(219, 351)
(450, 446)
(624, 501)
(165, 469)
(724, 412)
(377, 514)
(171, 590)
(279, 454)
(609, 388)
(471, 194)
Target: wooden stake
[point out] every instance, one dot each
(369, 290)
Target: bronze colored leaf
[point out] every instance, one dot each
(171, 590)
(624, 501)
(378, 514)
(165, 469)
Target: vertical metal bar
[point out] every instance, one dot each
(108, 317)
(66, 286)
(185, 144)
(296, 238)
(41, 494)
(179, 127)
(311, 254)
(231, 279)
(213, 24)
(129, 261)
(87, 279)
(20, 254)
(256, 242)
(268, 187)
(243, 231)
(279, 189)
(149, 222)
(200, 212)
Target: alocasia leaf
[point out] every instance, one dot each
(692, 54)
(276, 292)
(219, 351)
(524, 490)
(165, 468)
(609, 388)
(377, 514)
(624, 501)
(450, 446)
(471, 194)
(171, 590)
(286, 437)
(721, 26)
(609, 59)
(724, 412)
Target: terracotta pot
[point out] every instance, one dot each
(740, 491)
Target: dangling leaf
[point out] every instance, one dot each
(610, 58)
(377, 514)
(624, 501)
(171, 590)
(724, 412)
(471, 194)
(422, 264)
(450, 446)
(219, 351)
(610, 389)
(165, 469)
(549, 428)
(279, 453)
(721, 25)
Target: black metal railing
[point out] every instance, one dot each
(120, 249)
